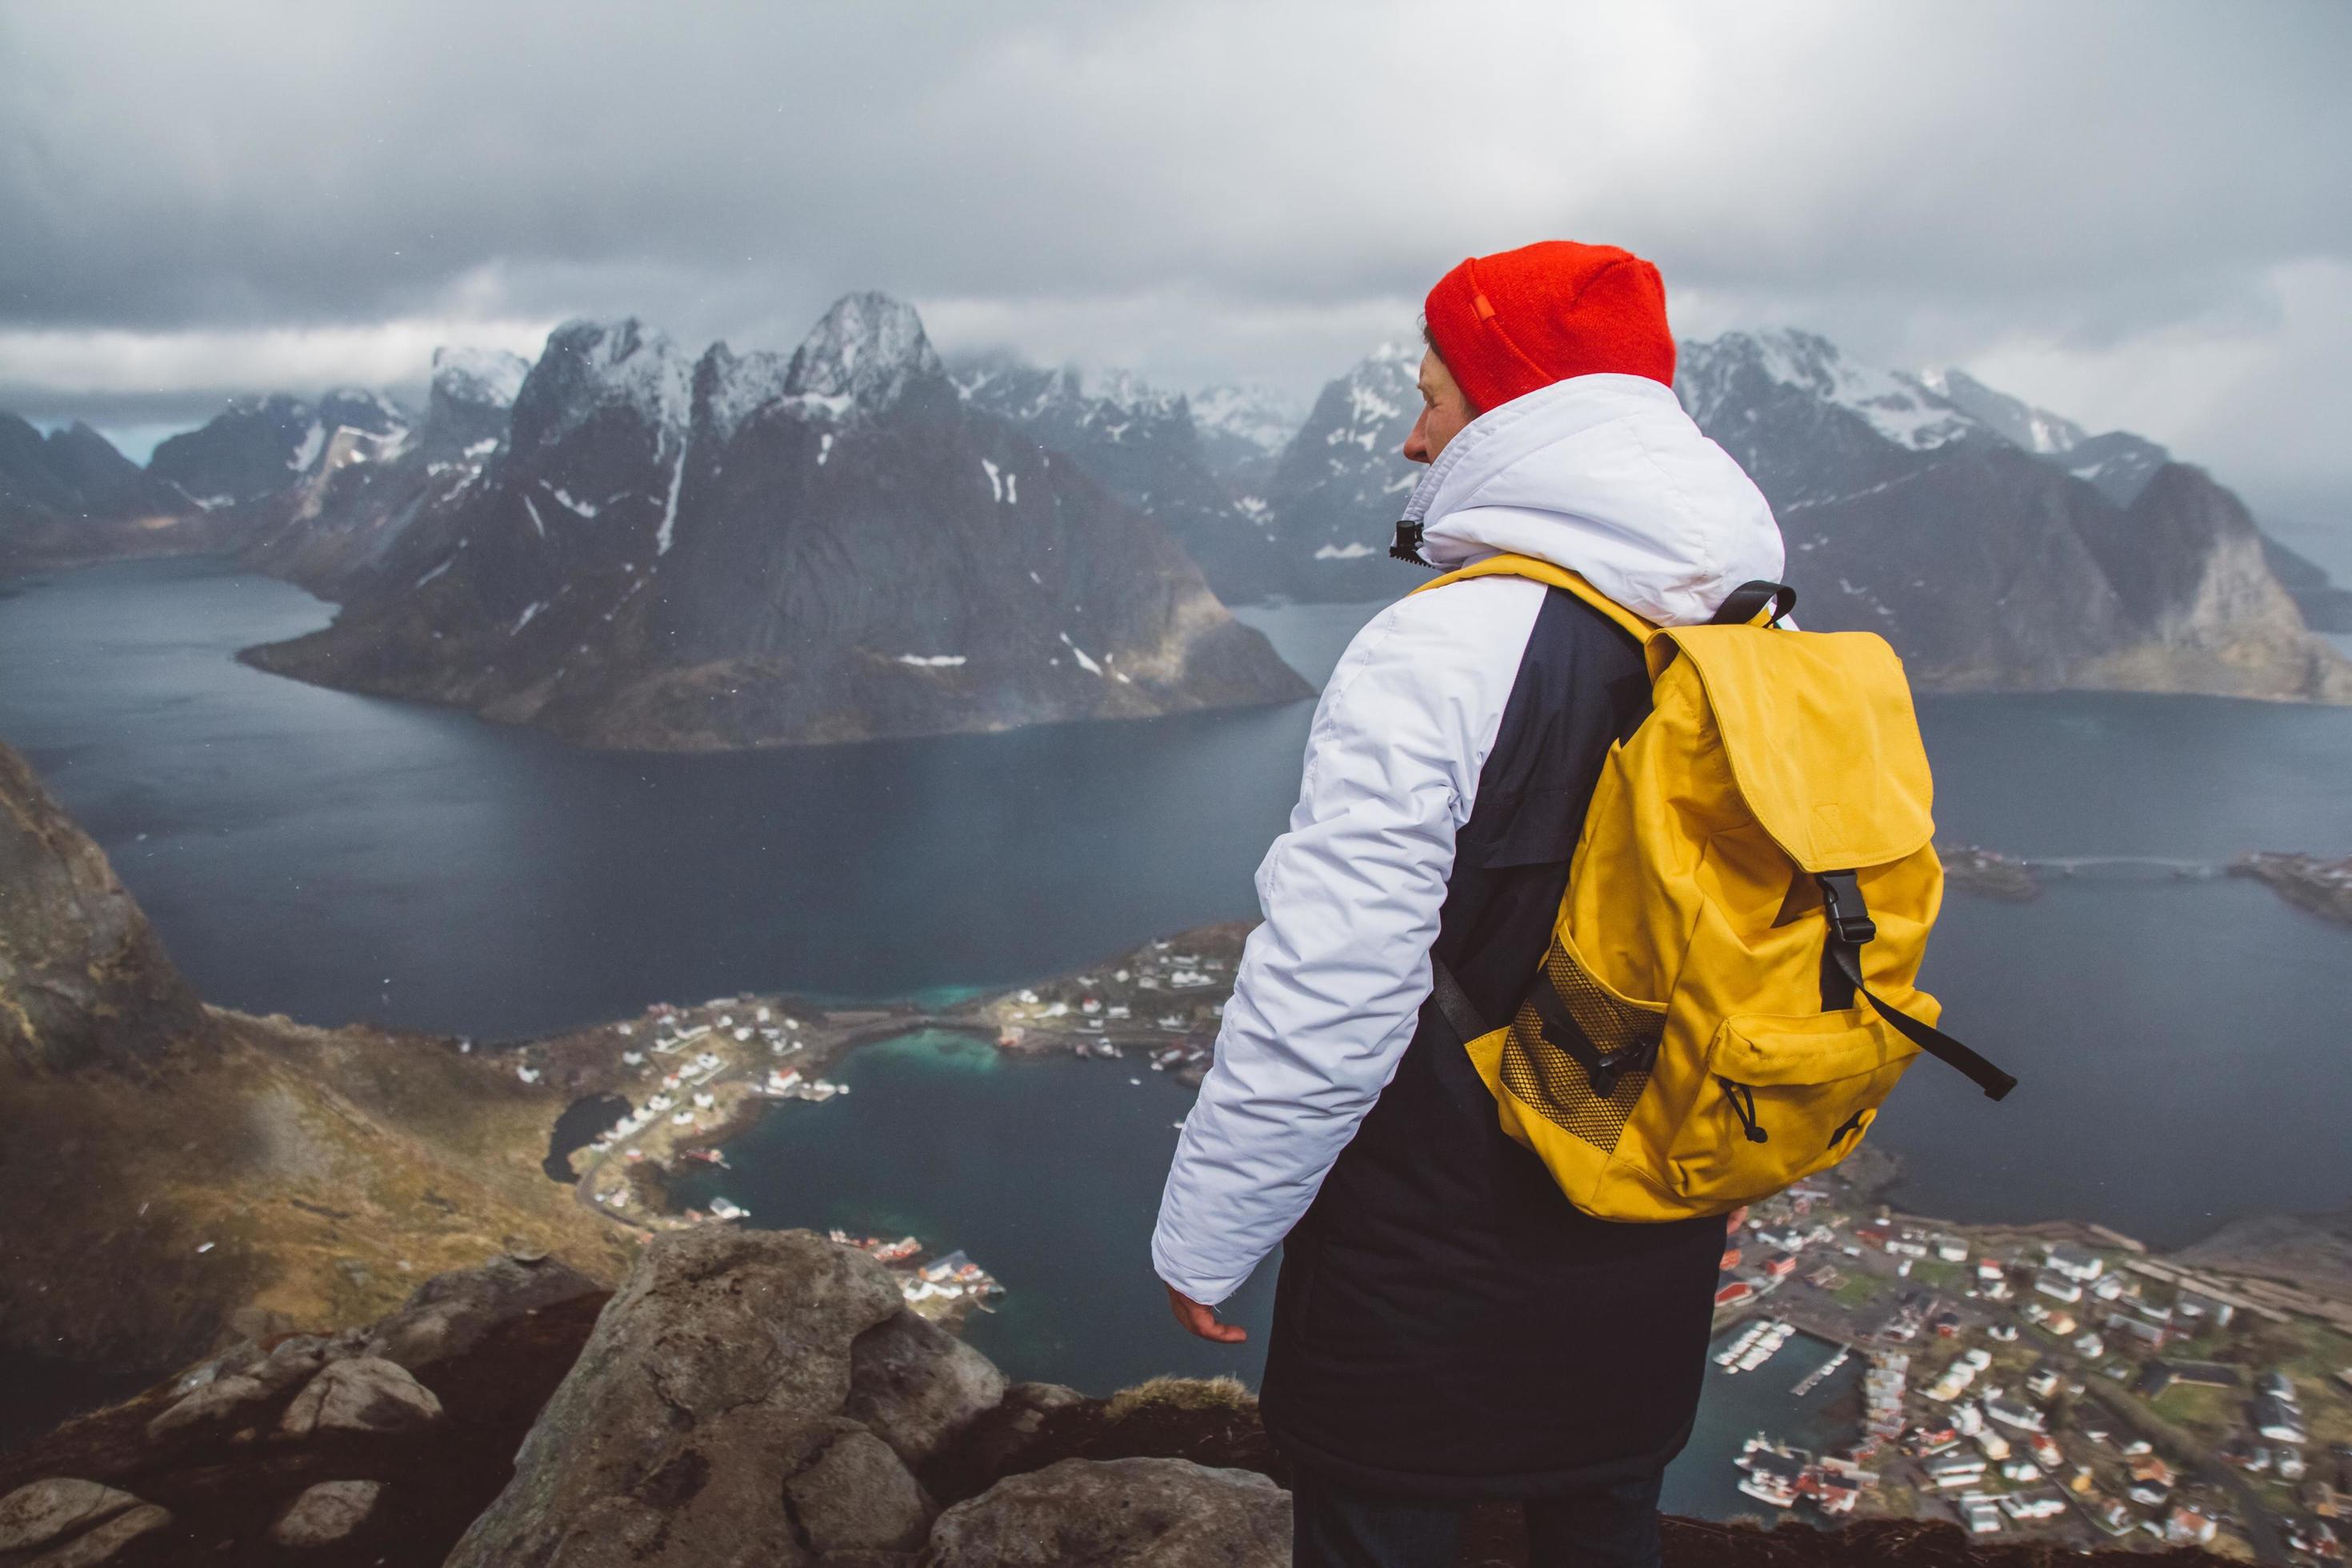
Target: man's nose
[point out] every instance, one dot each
(1416, 446)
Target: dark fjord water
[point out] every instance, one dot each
(2183, 1044)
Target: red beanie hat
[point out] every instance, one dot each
(1510, 323)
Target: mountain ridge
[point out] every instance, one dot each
(1985, 575)
(1997, 546)
(751, 550)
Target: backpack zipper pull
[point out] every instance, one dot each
(1743, 1106)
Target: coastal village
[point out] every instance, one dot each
(678, 1081)
(2053, 1382)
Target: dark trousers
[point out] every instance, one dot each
(1331, 1527)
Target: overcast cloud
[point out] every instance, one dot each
(2134, 212)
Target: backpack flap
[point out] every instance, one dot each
(1821, 739)
(1823, 747)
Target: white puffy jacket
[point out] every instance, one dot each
(1605, 475)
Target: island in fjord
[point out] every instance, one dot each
(655, 553)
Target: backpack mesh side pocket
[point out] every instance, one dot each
(1578, 1053)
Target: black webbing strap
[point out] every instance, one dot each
(1602, 1069)
(1453, 1003)
(1850, 927)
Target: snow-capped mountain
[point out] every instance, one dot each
(1144, 444)
(1967, 528)
(469, 402)
(1334, 497)
(257, 446)
(1243, 425)
(2119, 462)
(489, 377)
(333, 523)
(751, 550)
(1995, 543)
(2013, 419)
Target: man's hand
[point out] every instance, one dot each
(1195, 1319)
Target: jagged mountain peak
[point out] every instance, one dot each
(491, 376)
(1126, 389)
(1071, 398)
(591, 365)
(1900, 408)
(81, 441)
(867, 350)
(1251, 413)
(259, 445)
(360, 408)
(728, 387)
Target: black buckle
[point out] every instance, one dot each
(1602, 1071)
(1849, 917)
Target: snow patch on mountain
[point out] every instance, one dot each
(491, 376)
(1253, 414)
(1379, 392)
(306, 451)
(2037, 430)
(1898, 406)
(1088, 665)
(585, 508)
(665, 536)
(869, 349)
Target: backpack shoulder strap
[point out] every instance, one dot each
(1508, 565)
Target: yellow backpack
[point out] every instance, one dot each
(1728, 992)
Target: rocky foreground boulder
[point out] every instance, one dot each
(82, 977)
(745, 1398)
(371, 1445)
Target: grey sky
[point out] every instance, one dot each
(2133, 212)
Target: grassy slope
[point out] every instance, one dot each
(332, 1171)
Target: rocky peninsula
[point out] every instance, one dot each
(2309, 882)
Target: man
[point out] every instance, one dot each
(1447, 1327)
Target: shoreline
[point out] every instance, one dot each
(1021, 1021)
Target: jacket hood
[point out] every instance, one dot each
(1606, 476)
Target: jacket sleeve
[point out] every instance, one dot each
(1331, 984)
